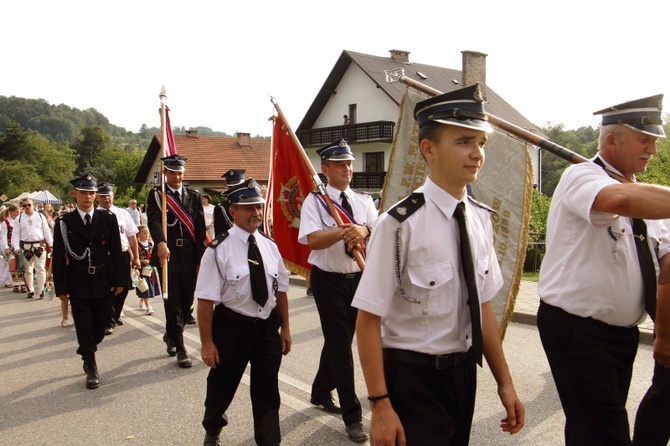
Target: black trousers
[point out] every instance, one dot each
(181, 287)
(119, 301)
(91, 316)
(435, 407)
(592, 365)
(240, 342)
(652, 422)
(333, 294)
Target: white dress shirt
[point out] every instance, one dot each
(31, 228)
(430, 273)
(590, 268)
(224, 275)
(127, 227)
(313, 217)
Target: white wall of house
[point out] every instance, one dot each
(372, 104)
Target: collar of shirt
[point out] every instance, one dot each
(241, 234)
(82, 214)
(180, 190)
(111, 209)
(334, 193)
(608, 166)
(443, 200)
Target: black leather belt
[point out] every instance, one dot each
(36, 242)
(346, 276)
(241, 317)
(179, 242)
(438, 362)
(90, 269)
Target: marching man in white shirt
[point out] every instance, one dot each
(30, 238)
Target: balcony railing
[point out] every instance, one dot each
(365, 181)
(378, 131)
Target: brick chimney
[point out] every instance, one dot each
(244, 139)
(400, 56)
(474, 69)
(192, 133)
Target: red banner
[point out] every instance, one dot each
(289, 185)
(170, 148)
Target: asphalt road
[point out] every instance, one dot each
(145, 399)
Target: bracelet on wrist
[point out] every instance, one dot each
(375, 399)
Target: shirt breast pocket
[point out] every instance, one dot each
(233, 288)
(273, 272)
(433, 285)
(482, 271)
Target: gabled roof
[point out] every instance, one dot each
(437, 77)
(209, 157)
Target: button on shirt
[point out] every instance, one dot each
(127, 227)
(431, 273)
(224, 274)
(31, 228)
(590, 270)
(314, 217)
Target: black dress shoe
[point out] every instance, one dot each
(109, 330)
(183, 360)
(212, 440)
(118, 321)
(327, 405)
(309, 292)
(190, 320)
(356, 433)
(171, 349)
(92, 378)
(31, 295)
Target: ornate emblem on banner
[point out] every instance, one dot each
(290, 200)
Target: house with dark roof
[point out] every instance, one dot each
(358, 104)
(209, 157)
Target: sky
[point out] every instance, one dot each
(221, 61)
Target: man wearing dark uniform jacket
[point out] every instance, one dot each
(222, 219)
(86, 260)
(180, 253)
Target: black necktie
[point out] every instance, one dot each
(469, 274)
(646, 266)
(87, 220)
(259, 285)
(176, 195)
(347, 207)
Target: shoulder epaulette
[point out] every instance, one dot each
(360, 192)
(218, 239)
(482, 205)
(267, 236)
(403, 210)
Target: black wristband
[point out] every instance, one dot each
(374, 399)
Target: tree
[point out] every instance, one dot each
(17, 177)
(14, 142)
(537, 228)
(658, 170)
(91, 141)
(583, 141)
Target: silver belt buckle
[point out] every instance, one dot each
(180, 242)
(91, 269)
